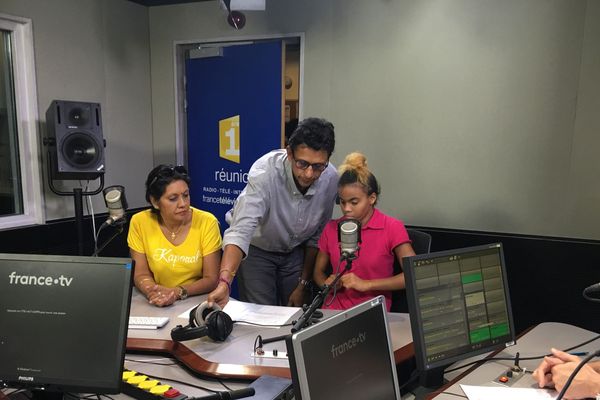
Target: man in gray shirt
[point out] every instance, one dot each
(278, 218)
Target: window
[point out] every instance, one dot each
(20, 184)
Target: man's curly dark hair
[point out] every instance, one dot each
(316, 133)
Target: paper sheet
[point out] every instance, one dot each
(255, 313)
(503, 393)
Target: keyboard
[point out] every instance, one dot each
(147, 322)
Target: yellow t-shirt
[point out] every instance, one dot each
(174, 265)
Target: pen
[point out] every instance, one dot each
(579, 353)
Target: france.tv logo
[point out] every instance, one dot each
(229, 139)
(32, 280)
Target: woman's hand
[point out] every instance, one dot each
(352, 281)
(161, 296)
(330, 279)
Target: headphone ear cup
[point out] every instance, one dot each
(192, 317)
(219, 325)
(204, 321)
(201, 312)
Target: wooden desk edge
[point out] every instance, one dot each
(232, 371)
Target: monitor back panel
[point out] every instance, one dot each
(347, 356)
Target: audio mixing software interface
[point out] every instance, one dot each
(462, 301)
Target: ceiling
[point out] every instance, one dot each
(150, 3)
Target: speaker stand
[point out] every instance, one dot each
(77, 194)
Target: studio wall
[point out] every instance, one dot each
(474, 115)
(95, 51)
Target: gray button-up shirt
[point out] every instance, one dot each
(272, 214)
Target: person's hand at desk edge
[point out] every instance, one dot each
(554, 371)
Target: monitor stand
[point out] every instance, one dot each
(428, 382)
(433, 378)
(37, 394)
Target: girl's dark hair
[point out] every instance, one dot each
(162, 176)
(355, 170)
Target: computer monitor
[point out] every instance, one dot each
(459, 307)
(347, 356)
(64, 322)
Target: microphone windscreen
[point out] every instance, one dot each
(349, 231)
(114, 197)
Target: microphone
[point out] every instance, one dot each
(114, 197)
(591, 289)
(231, 395)
(349, 237)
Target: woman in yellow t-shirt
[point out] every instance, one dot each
(176, 248)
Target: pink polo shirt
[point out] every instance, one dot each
(375, 257)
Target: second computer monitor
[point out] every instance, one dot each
(459, 306)
(347, 356)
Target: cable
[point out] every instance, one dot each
(266, 325)
(224, 385)
(117, 233)
(258, 344)
(151, 362)
(90, 209)
(174, 380)
(574, 373)
(413, 376)
(337, 271)
(162, 378)
(484, 360)
(455, 394)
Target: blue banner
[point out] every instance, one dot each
(234, 116)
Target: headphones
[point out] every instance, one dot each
(204, 321)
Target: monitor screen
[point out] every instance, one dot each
(348, 356)
(459, 306)
(64, 322)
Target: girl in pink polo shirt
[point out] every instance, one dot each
(383, 238)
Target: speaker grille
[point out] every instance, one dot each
(80, 150)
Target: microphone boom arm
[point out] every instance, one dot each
(320, 297)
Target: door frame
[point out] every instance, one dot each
(180, 49)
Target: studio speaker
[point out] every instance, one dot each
(75, 140)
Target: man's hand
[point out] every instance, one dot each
(555, 370)
(585, 384)
(298, 297)
(220, 295)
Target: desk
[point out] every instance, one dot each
(232, 358)
(536, 342)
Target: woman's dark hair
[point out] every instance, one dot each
(354, 170)
(162, 176)
(315, 133)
